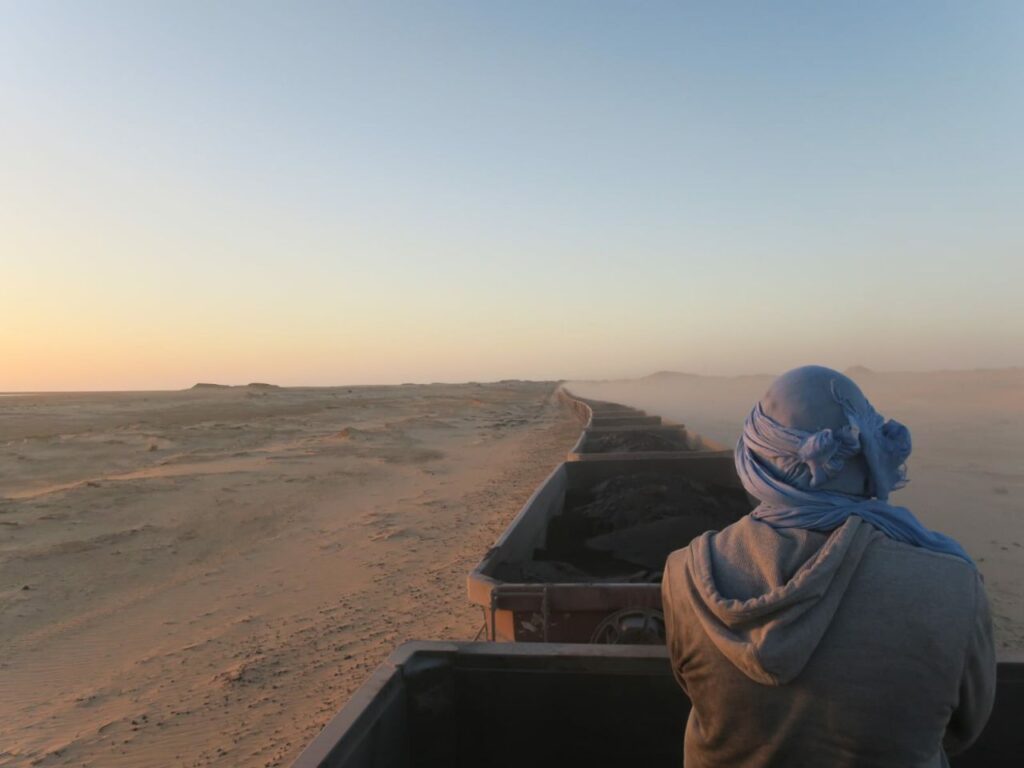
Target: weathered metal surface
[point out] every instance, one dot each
(633, 442)
(541, 705)
(593, 413)
(562, 611)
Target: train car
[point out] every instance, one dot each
(582, 560)
(625, 421)
(651, 442)
(538, 705)
(599, 413)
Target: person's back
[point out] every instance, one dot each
(838, 647)
(895, 639)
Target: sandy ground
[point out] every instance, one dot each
(966, 471)
(199, 578)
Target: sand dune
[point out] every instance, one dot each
(966, 472)
(203, 577)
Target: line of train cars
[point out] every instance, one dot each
(575, 672)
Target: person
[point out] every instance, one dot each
(828, 627)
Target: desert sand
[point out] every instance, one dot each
(966, 471)
(203, 577)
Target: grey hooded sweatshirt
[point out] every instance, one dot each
(800, 648)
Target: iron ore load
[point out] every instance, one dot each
(572, 590)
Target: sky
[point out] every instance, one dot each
(379, 192)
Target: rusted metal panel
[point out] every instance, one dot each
(552, 704)
(570, 612)
(682, 442)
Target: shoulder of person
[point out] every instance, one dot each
(921, 556)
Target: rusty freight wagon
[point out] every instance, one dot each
(625, 420)
(598, 413)
(641, 442)
(615, 431)
(582, 560)
(448, 705)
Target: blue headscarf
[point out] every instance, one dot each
(785, 467)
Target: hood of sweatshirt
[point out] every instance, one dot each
(767, 596)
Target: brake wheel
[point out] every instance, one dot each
(631, 626)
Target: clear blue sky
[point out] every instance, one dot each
(378, 192)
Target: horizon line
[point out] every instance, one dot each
(200, 385)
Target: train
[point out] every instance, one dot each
(574, 671)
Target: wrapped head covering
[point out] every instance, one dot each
(814, 451)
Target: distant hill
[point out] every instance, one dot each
(858, 370)
(253, 385)
(853, 372)
(668, 375)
